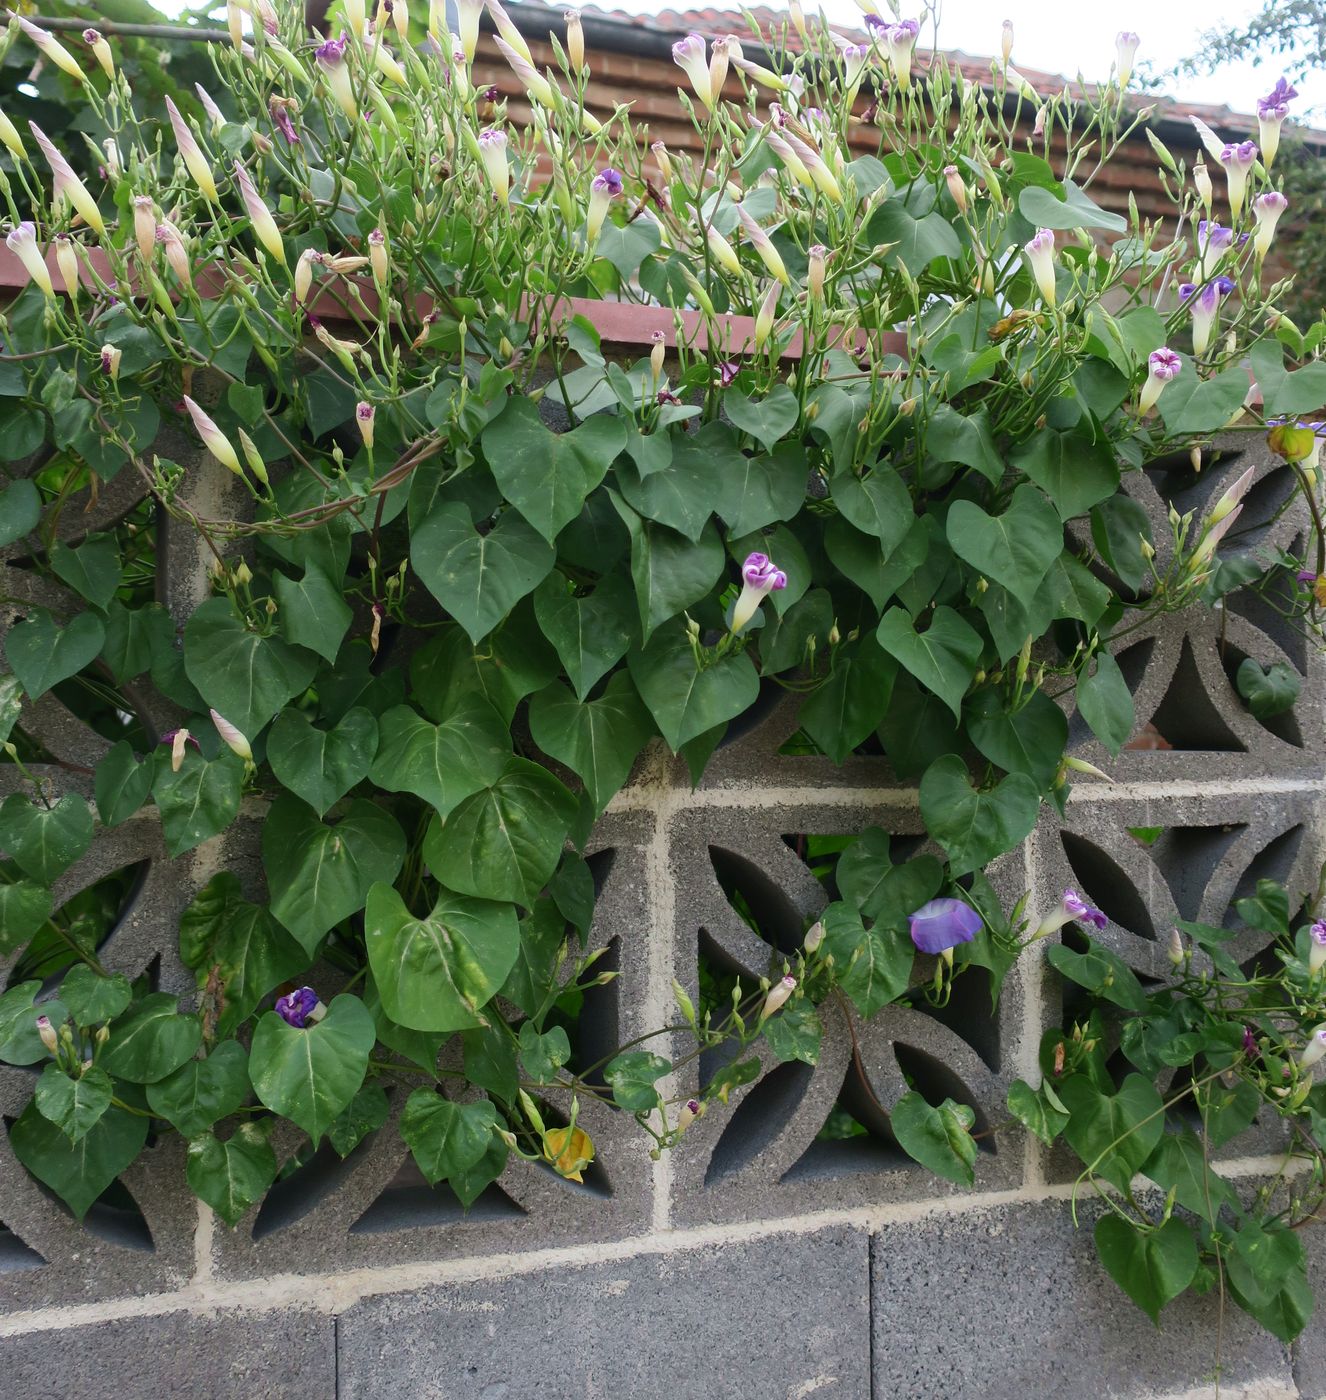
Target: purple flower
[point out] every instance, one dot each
(608, 181)
(1164, 363)
(1071, 908)
(1276, 102)
(727, 372)
(1205, 306)
(331, 51)
(759, 577)
(942, 924)
(1250, 1043)
(296, 1008)
(1307, 576)
(279, 108)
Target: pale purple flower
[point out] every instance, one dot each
(901, 41)
(1072, 908)
(1126, 44)
(759, 577)
(296, 1009)
(496, 163)
(1314, 1049)
(1276, 102)
(689, 55)
(279, 109)
(1317, 946)
(1266, 209)
(1204, 303)
(1214, 240)
(942, 924)
(1038, 253)
(331, 63)
(603, 189)
(1238, 158)
(727, 372)
(22, 242)
(1250, 1043)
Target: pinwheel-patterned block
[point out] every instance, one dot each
(802, 1136)
(375, 1206)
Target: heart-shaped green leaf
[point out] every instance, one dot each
(547, 475)
(1113, 1134)
(478, 578)
(669, 571)
(201, 1092)
(78, 1172)
(45, 841)
(1015, 548)
(598, 740)
(20, 510)
(768, 421)
(91, 569)
(309, 1074)
(878, 505)
(321, 874)
(944, 657)
(446, 1138)
(1074, 470)
(123, 783)
(233, 1175)
(200, 800)
(591, 633)
(436, 974)
(24, 908)
(504, 841)
(762, 489)
(151, 1040)
(322, 765)
(442, 763)
(974, 827)
(1151, 1268)
(245, 676)
(685, 700)
(73, 1105)
(313, 612)
(42, 652)
(1027, 740)
(93, 998)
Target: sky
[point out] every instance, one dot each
(1060, 37)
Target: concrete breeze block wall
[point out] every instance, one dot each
(759, 1260)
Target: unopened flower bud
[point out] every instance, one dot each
(101, 51)
(231, 737)
(47, 1033)
(814, 937)
(1175, 947)
(777, 996)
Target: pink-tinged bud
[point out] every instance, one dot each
(1238, 158)
(901, 41)
(1162, 366)
(575, 41)
(304, 274)
(688, 55)
(718, 63)
(538, 87)
(47, 1034)
(9, 135)
(364, 416)
(496, 164)
(759, 578)
(101, 51)
(814, 937)
(1317, 947)
(66, 185)
(385, 62)
(113, 167)
(792, 162)
(510, 35)
(235, 24)
(22, 242)
(1230, 499)
(177, 742)
(355, 14)
(216, 442)
(260, 216)
(1266, 209)
(231, 737)
(1006, 41)
(956, 187)
(778, 995)
(765, 316)
(400, 18)
(817, 257)
(191, 153)
(335, 72)
(467, 22)
(663, 159)
(1314, 1049)
(798, 18)
(377, 257)
(1038, 254)
(1201, 178)
(51, 47)
(813, 163)
(145, 226)
(763, 245)
(110, 361)
(255, 463)
(1126, 44)
(603, 189)
(722, 252)
(66, 259)
(214, 114)
(657, 351)
(177, 255)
